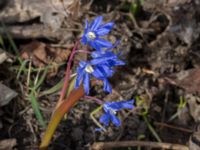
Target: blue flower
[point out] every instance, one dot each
(101, 67)
(94, 31)
(86, 70)
(111, 109)
(106, 57)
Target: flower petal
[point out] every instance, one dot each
(115, 120)
(120, 105)
(106, 86)
(105, 118)
(104, 29)
(97, 73)
(96, 23)
(84, 40)
(113, 105)
(106, 70)
(102, 71)
(115, 62)
(80, 73)
(86, 26)
(127, 104)
(108, 25)
(86, 83)
(94, 45)
(103, 43)
(102, 58)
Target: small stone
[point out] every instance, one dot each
(6, 95)
(3, 56)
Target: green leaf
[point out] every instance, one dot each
(12, 43)
(41, 80)
(36, 109)
(67, 104)
(54, 89)
(71, 86)
(21, 68)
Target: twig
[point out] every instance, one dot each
(173, 127)
(165, 106)
(108, 145)
(35, 31)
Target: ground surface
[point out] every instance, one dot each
(161, 48)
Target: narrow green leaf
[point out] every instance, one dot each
(152, 130)
(54, 89)
(21, 68)
(41, 80)
(36, 109)
(12, 43)
(71, 86)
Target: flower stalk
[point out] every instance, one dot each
(67, 74)
(63, 108)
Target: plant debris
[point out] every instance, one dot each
(159, 41)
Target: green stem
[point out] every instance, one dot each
(93, 118)
(152, 129)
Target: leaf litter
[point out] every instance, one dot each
(161, 46)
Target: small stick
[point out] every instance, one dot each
(108, 145)
(173, 127)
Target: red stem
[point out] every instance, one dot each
(67, 73)
(98, 101)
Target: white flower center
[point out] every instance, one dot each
(89, 69)
(110, 109)
(91, 35)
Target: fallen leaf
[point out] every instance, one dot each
(42, 55)
(194, 141)
(189, 80)
(7, 144)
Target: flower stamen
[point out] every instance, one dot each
(89, 69)
(91, 35)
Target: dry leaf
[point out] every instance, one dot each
(43, 55)
(25, 10)
(188, 80)
(8, 144)
(194, 141)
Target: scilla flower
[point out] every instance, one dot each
(86, 70)
(94, 31)
(111, 109)
(100, 67)
(106, 57)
